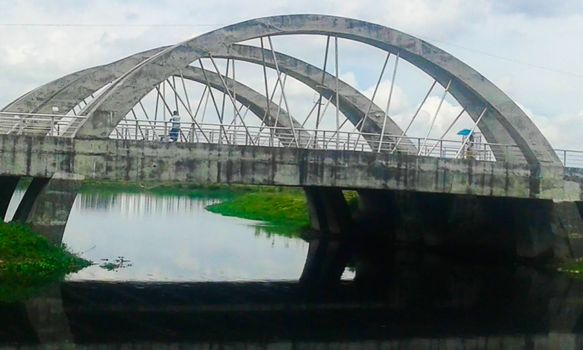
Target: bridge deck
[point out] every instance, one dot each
(124, 160)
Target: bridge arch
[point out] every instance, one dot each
(71, 90)
(503, 123)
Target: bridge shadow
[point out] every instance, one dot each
(416, 300)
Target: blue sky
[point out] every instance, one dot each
(532, 49)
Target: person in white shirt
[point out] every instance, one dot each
(175, 130)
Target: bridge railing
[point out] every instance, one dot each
(161, 131)
(305, 138)
(40, 124)
(570, 158)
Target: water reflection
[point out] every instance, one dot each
(173, 238)
(428, 302)
(212, 299)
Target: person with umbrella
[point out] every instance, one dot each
(468, 144)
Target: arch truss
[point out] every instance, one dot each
(244, 84)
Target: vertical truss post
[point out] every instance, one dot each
(152, 126)
(434, 118)
(224, 92)
(185, 91)
(337, 92)
(393, 78)
(445, 133)
(414, 117)
(319, 114)
(173, 85)
(291, 122)
(374, 94)
(234, 90)
(157, 100)
(222, 125)
(138, 127)
(230, 96)
(268, 100)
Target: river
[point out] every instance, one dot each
(181, 277)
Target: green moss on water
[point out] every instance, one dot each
(284, 212)
(28, 262)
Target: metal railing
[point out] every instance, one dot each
(570, 158)
(161, 131)
(40, 124)
(306, 138)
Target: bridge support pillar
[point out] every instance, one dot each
(325, 263)
(7, 187)
(328, 209)
(47, 203)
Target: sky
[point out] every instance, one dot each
(531, 49)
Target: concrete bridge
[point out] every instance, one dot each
(510, 194)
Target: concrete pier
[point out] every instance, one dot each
(7, 187)
(47, 203)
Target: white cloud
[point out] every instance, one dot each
(536, 32)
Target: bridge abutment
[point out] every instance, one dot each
(47, 203)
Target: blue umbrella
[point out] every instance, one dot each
(464, 132)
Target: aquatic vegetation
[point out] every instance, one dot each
(285, 212)
(24, 252)
(28, 261)
(115, 264)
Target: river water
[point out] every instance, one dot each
(184, 278)
(173, 238)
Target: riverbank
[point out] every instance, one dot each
(284, 212)
(28, 261)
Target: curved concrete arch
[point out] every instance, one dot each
(504, 122)
(68, 91)
(353, 104)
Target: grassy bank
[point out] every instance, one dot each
(28, 261)
(285, 212)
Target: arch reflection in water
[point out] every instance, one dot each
(426, 302)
